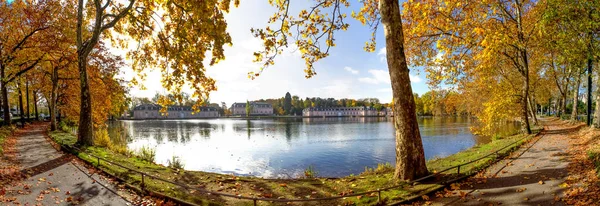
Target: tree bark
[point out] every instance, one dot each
(589, 79)
(53, 99)
(5, 103)
(576, 98)
(524, 104)
(35, 106)
(597, 112)
(21, 113)
(532, 111)
(525, 68)
(85, 135)
(410, 158)
(563, 106)
(27, 115)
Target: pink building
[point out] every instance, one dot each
(258, 109)
(339, 112)
(152, 111)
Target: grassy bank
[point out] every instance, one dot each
(4, 133)
(371, 179)
(594, 155)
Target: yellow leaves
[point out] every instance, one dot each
(479, 31)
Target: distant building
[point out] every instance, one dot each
(258, 109)
(152, 111)
(339, 112)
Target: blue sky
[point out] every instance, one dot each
(349, 71)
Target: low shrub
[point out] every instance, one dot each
(121, 149)
(175, 163)
(4, 133)
(594, 156)
(101, 138)
(146, 153)
(310, 172)
(380, 169)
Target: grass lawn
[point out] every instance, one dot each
(373, 179)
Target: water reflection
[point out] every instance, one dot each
(285, 147)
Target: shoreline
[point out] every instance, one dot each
(280, 117)
(373, 178)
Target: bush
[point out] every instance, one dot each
(146, 153)
(4, 133)
(121, 149)
(380, 169)
(175, 163)
(310, 172)
(594, 156)
(102, 139)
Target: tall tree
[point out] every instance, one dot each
(171, 35)
(287, 103)
(460, 40)
(314, 37)
(23, 24)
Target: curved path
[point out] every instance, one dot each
(532, 176)
(55, 178)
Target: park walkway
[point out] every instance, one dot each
(533, 175)
(53, 177)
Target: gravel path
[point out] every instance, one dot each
(56, 178)
(532, 176)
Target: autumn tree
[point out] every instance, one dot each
(23, 25)
(455, 39)
(170, 35)
(287, 103)
(312, 31)
(574, 27)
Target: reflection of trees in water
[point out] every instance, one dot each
(288, 131)
(172, 134)
(204, 132)
(248, 126)
(345, 119)
(183, 132)
(118, 133)
(159, 136)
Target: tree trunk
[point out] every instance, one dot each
(563, 106)
(21, 113)
(589, 80)
(410, 158)
(532, 111)
(53, 99)
(597, 112)
(525, 67)
(576, 98)
(85, 135)
(524, 104)
(28, 116)
(5, 103)
(35, 106)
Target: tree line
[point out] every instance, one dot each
(293, 105)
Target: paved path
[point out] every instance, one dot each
(56, 178)
(533, 178)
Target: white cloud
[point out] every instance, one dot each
(349, 69)
(382, 76)
(415, 78)
(378, 76)
(382, 51)
(388, 90)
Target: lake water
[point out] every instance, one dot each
(286, 147)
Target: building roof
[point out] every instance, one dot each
(156, 107)
(338, 108)
(243, 104)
